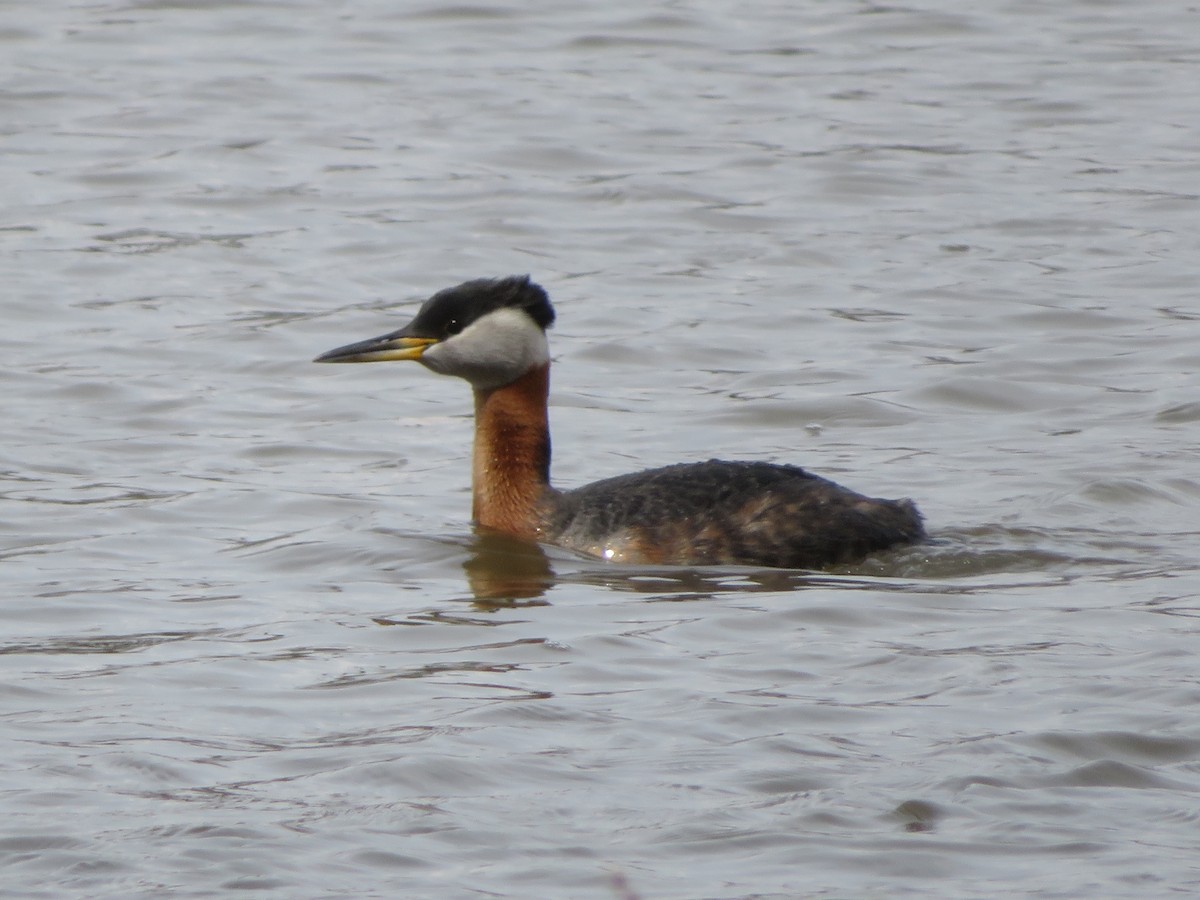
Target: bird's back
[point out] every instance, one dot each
(728, 513)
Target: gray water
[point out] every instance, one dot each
(250, 643)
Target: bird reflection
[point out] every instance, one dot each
(503, 570)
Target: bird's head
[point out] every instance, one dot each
(489, 331)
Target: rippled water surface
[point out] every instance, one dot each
(249, 640)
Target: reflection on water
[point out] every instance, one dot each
(501, 567)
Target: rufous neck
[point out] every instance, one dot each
(511, 469)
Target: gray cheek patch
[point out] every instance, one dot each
(493, 351)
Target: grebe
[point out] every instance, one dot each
(492, 332)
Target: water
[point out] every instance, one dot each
(250, 643)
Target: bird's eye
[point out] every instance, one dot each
(453, 327)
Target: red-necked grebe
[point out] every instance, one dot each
(493, 334)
